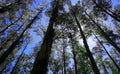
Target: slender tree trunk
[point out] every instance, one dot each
(41, 61)
(62, 70)
(64, 59)
(10, 25)
(104, 34)
(75, 61)
(105, 70)
(14, 44)
(2, 70)
(93, 63)
(112, 14)
(107, 53)
(13, 34)
(74, 54)
(19, 58)
(6, 28)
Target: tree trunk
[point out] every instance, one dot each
(2, 70)
(104, 34)
(93, 63)
(14, 44)
(75, 61)
(107, 53)
(19, 58)
(41, 61)
(105, 70)
(74, 54)
(64, 59)
(112, 14)
(10, 25)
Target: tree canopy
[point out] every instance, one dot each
(59, 37)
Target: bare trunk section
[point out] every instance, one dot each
(41, 61)
(93, 63)
(64, 59)
(75, 61)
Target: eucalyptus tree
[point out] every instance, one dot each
(12, 21)
(93, 63)
(106, 6)
(107, 52)
(14, 44)
(41, 61)
(59, 60)
(104, 34)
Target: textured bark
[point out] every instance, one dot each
(104, 34)
(19, 58)
(93, 63)
(107, 53)
(41, 61)
(14, 44)
(112, 14)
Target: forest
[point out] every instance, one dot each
(59, 36)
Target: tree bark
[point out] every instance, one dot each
(19, 58)
(93, 63)
(41, 61)
(104, 34)
(14, 44)
(107, 52)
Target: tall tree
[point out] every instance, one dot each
(104, 34)
(11, 24)
(41, 61)
(14, 44)
(74, 53)
(102, 6)
(19, 58)
(93, 63)
(107, 52)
